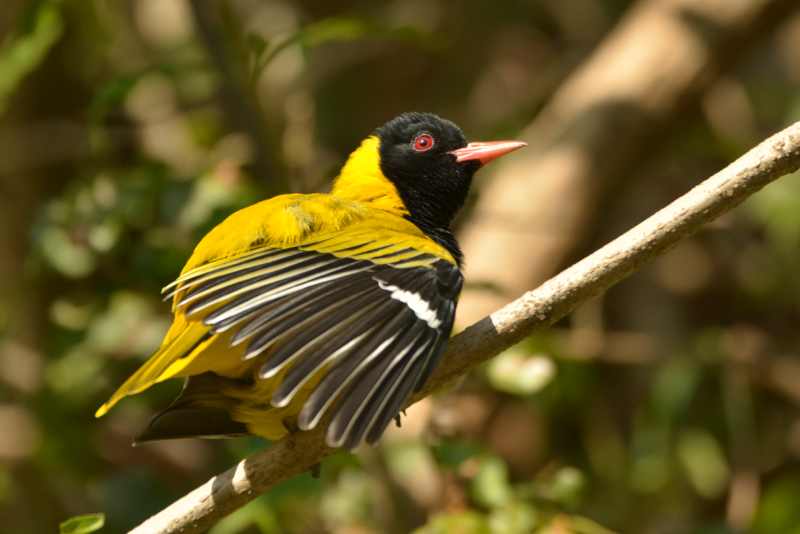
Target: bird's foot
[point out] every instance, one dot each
(397, 419)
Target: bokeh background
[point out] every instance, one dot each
(670, 404)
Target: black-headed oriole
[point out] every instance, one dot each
(338, 304)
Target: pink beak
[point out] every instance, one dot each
(486, 152)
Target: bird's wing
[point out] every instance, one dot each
(366, 329)
(356, 306)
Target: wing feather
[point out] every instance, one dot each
(255, 258)
(403, 387)
(251, 300)
(344, 372)
(320, 296)
(244, 277)
(369, 328)
(365, 395)
(268, 283)
(318, 327)
(327, 319)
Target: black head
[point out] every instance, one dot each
(415, 154)
(431, 164)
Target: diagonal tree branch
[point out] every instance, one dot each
(773, 158)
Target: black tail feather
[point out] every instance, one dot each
(200, 411)
(189, 422)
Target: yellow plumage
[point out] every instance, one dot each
(337, 306)
(364, 206)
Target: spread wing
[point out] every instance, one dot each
(362, 326)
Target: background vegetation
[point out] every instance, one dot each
(128, 129)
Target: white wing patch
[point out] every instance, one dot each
(415, 302)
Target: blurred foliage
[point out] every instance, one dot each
(669, 405)
(82, 524)
(331, 30)
(38, 30)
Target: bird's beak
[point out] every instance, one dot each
(486, 152)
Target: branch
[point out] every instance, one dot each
(773, 158)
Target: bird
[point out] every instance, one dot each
(322, 308)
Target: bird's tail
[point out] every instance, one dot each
(200, 411)
(183, 342)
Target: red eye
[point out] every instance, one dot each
(423, 142)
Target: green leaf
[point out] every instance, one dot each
(70, 258)
(491, 487)
(82, 524)
(704, 461)
(777, 509)
(23, 52)
(564, 487)
(334, 29)
(515, 517)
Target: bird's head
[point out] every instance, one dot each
(426, 160)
